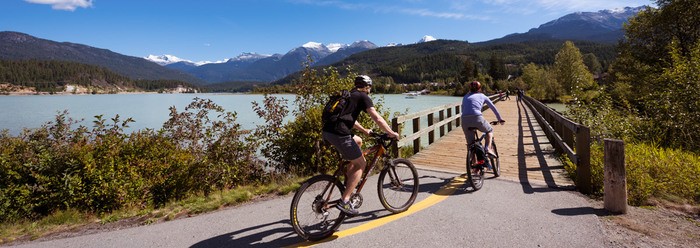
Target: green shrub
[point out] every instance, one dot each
(102, 169)
(297, 146)
(653, 171)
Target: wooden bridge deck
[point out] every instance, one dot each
(526, 155)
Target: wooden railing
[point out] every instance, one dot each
(569, 138)
(448, 115)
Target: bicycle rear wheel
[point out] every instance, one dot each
(474, 177)
(495, 163)
(313, 213)
(398, 185)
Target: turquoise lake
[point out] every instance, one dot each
(151, 110)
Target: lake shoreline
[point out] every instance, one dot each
(151, 110)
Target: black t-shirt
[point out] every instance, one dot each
(359, 101)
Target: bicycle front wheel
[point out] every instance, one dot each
(495, 163)
(398, 185)
(475, 177)
(313, 213)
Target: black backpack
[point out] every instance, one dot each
(336, 106)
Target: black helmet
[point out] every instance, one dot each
(474, 86)
(362, 81)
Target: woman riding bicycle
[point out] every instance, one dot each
(472, 104)
(340, 136)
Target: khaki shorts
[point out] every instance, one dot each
(476, 121)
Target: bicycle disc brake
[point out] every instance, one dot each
(356, 200)
(318, 205)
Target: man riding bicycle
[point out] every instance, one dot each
(339, 134)
(472, 117)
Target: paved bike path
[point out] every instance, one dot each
(498, 215)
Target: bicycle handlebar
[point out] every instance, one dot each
(497, 122)
(383, 138)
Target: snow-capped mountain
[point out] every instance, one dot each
(258, 67)
(346, 51)
(167, 59)
(335, 46)
(314, 49)
(362, 44)
(601, 26)
(250, 57)
(607, 19)
(426, 38)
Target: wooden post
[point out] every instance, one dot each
(431, 134)
(615, 179)
(567, 135)
(583, 154)
(442, 127)
(458, 111)
(449, 124)
(416, 128)
(395, 128)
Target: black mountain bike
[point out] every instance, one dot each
(313, 212)
(478, 161)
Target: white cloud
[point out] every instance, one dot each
(393, 8)
(562, 6)
(70, 5)
(332, 3)
(430, 13)
(590, 5)
(482, 10)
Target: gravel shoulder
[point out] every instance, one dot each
(659, 226)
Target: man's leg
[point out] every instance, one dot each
(487, 146)
(354, 171)
(353, 176)
(358, 140)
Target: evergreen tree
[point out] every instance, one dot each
(592, 63)
(468, 71)
(497, 69)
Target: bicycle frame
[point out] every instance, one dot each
(379, 150)
(397, 187)
(477, 140)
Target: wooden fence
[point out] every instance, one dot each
(441, 119)
(567, 137)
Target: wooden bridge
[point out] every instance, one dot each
(529, 143)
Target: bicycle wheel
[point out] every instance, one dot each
(313, 213)
(398, 185)
(475, 179)
(495, 163)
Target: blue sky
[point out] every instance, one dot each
(211, 30)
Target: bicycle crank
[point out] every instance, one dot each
(356, 200)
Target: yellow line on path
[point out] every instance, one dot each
(439, 196)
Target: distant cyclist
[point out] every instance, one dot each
(472, 104)
(339, 134)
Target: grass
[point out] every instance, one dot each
(67, 220)
(652, 173)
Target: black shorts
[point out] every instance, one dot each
(346, 145)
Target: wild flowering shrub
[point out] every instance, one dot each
(97, 170)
